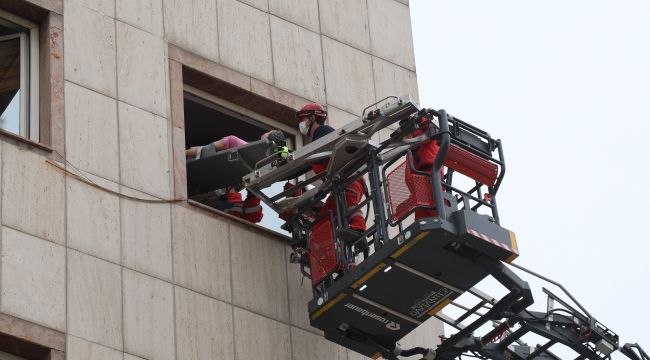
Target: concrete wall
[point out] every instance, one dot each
(126, 279)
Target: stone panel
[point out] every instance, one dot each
(301, 12)
(79, 349)
(272, 338)
(94, 300)
(259, 273)
(201, 252)
(144, 153)
(390, 32)
(338, 118)
(91, 131)
(260, 4)
(146, 236)
(192, 24)
(93, 218)
(391, 79)
(141, 69)
(33, 194)
(297, 60)
(132, 357)
(348, 77)
(143, 14)
(204, 327)
(245, 39)
(33, 279)
(353, 355)
(148, 316)
(314, 347)
(346, 21)
(106, 7)
(89, 32)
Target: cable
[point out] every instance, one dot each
(87, 181)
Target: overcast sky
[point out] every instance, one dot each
(566, 86)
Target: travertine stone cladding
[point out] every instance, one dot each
(297, 60)
(33, 194)
(148, 316)
(141, 69)
(91, 131)
(192, 24)
(391, 79)
(272, 338)
(146, 236)
(258, 267)
(144, 151)
(143, 14)
(94, 300)
(346, 21)
(89, 49)
(348, 76)
(204, 327)
(245, 39)
(352, 355)
(338, 118)
(132, 357)
(300, 12)
(260, 4)
(106, 7)
(201, 252)
(33, 279)
(390, 32)
(79, 349)
(307, 345)
(93, 218)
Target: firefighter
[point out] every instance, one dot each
(423, 159)
(311, 123)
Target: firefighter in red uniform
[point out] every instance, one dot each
(423, 159)
(311, 122)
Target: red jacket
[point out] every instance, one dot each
(249, 209)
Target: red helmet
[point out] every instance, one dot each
(312, 109)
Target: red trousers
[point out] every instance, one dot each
(353, 195)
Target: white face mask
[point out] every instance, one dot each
(304, 127)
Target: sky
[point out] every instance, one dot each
(566, 86)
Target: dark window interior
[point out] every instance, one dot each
(206, 122)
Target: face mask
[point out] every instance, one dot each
(304, 127)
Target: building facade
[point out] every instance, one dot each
(103, 256)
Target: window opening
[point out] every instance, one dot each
(207, 122)
(18, 76)
(7, 356)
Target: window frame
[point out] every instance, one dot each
(29, 126)
(245, 112)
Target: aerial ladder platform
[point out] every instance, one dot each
(373, 288)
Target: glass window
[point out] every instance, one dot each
(18, 78)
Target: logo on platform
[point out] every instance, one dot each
(428, 301)
(390, 325)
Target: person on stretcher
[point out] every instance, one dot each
(229, 200)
